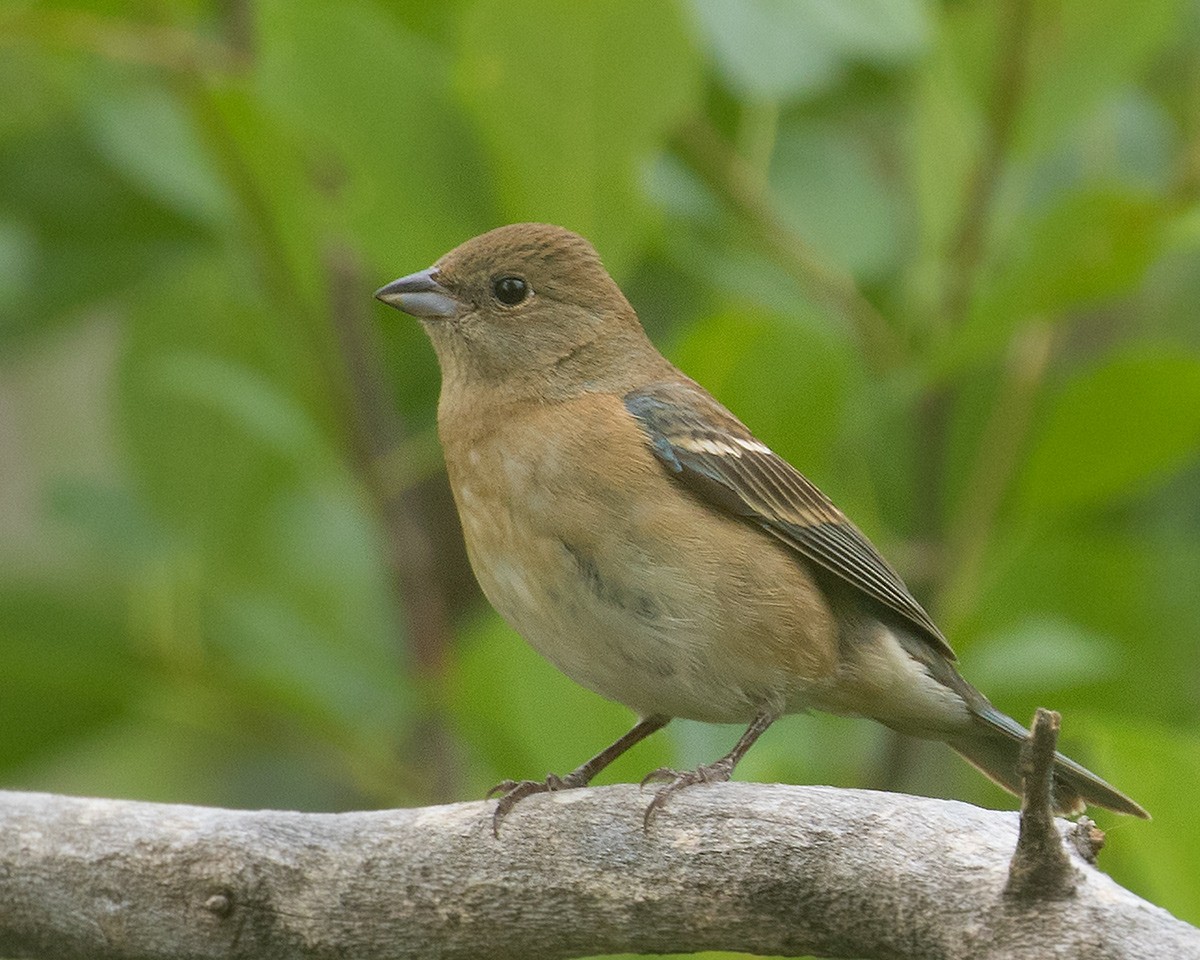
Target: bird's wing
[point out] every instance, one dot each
(715, 455)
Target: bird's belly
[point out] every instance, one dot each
(644, 646)
(661, 626)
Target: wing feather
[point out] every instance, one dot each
(715, 455)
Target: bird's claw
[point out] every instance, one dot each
(504, 786)
(514, 791)
(661, 775)
(676, 780)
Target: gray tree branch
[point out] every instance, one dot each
(761, 868)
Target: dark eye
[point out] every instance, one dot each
(510, 290)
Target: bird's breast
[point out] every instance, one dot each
(620, 578)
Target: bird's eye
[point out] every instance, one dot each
(510, 290)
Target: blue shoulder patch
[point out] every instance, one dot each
(649, 411)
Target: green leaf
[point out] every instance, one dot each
(209, 404)
(1104, 582)
(1159, 767)
(1087, 247)
(331, 562)
(387, 138)
(1041, 655)
(278, 652)
(22, 68)
(85, 233)
(573, 101)
(1113, 431)
(1079, 52)
(1129, 139)
(194, 751)
(787, 381)
(69, 667)
(112, 520)
(828, 187)
(778, 49)
(247, 401)
(142, 132)
(285, 219)
(18, 259)
(944, 139)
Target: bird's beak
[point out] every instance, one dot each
(420, 295)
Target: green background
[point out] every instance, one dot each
(945, 257)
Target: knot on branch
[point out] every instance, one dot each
(1087, 838)
(1040, 868)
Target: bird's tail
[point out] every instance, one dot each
(993, 746)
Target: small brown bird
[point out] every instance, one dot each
(641, 538)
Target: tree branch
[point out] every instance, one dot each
(762, 868)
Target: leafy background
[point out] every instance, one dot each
(943, 256)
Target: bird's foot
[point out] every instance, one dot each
(676, 780)
(514, 791)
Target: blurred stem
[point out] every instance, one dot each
(967, 251)
(349, 359)
(741, 188)
(756, 136)
(239, 24)
(966, 258)
(341, 338)
(264, 240)
(113, 38)
(1187, 177)
(967, 247)
(965, 540)
(410, 462)
(264, 236)
(378, 435)
(996, 464)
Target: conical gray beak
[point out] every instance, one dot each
(420, 295)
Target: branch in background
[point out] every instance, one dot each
(764, 869)
(757, 133)
(739, 186)
(996, 464)
(377, 431)
(967, 246)
(963, 542)
(238, 27)
(966, 252)
(119, 39)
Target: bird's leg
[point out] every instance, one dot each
(717, 772)
(515, 791)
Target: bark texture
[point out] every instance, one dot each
(761, 868)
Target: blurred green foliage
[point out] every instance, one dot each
(943, 256)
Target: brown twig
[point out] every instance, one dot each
(965, 540)
(1040, 868)
(967, 245)
(996, 463)
(377, 430)
(120, 39)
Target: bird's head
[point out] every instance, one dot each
(523, 305)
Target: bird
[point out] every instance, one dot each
(643, 540)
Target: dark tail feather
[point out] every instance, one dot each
(994, 748)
